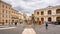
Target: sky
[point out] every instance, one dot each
(28, 6)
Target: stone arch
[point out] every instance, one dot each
(58, 19)
(49, 11)
(42, 12)
(49, 19)
(42, 20)
(58, 11)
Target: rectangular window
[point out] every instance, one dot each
(9, 16)
(2, 15)
(2, 6)
(37, 18)
(6, 6)
(9, 21)
(2, 11)
(6, 11)
(6, 16)
(6, 21)
(9, 7)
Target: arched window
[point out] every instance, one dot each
(49, 19)
(49, 12)
(57, 18)
(42, 13)
(58, 11)
(37, 18)
(37, 13)
(6, 21)
(42, 19)
(12, 20)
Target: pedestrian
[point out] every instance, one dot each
(46, 25)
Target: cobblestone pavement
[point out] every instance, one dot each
(38, 29)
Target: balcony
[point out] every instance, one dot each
(15, 18)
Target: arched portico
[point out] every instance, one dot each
(49, 19)
(58, 19)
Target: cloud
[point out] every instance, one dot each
(28, 6)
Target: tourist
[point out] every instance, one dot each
(46, 25)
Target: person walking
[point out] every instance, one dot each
(46, 25)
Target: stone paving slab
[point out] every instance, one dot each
(7, 28)
(28, 31)
(52, 29)
(39, 29)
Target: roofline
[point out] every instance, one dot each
(47, 7)
(5, 3)
(15, 9)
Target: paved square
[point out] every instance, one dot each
(37, 29)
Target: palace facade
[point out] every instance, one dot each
(48, 14)
(7, 13)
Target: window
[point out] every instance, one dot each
(6, 21)
(6, 16)
(58, 11)
(9, 21)
(2, 6)
(49, 12)
(2, 11)
(12, 20)
(2, 15)
(9, 7)
(42, 19)
(37, 13)
(6, 11)
(57, 18)
(37, 18)
(49, 19)
(3, 22)
(6, 6)
(42, 13)
(9, 16)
